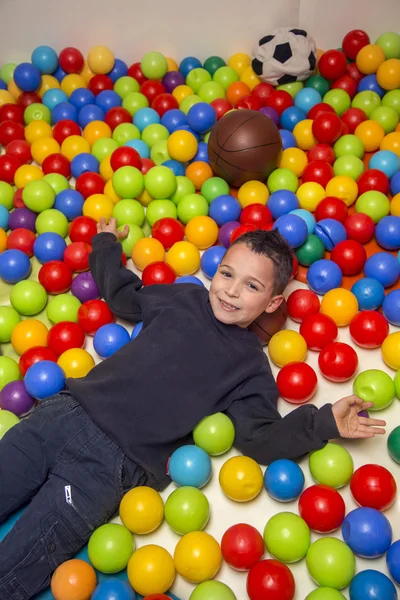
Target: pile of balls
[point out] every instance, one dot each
(86, 139)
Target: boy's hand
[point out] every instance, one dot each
(350, 424)
(112, 228)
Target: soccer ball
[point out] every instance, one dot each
(284, 56)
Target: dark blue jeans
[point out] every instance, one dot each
(73, 476)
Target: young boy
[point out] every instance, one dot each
(77, 454)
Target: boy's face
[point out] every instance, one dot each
(242, 287)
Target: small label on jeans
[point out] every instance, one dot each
(68, 495)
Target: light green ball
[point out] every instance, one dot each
(154, 133)
(374, 385)
(349, 144)
(196, 78)
(211, 91)
(104, 147)
(6, 195)
(154, 65)
(58, 182)
(225, 76)
(350, 166)
(392, 100)
(37, 112)
(188, 102)
(160, 182)
(7, 420)
(367, 101)
(339, 100)
(52, 220)
(28, 297)
(214, 434)
(38, 195)
(287, 537)
(160, 209)
(332, 465)
(135, 234)
(110, 548)
(128, 182)
(187, 509)
(159, 152)
(146, 228)
(193, 205)
(63, 307)
(331, 563)
(126, 85)
(7, 72)
(212, 590)
(125, 132)
(374, 204)
(134, 101)
(325, 594)
(214, 187)
(292, 88)
(387, 117)
(390, 44)
(282, 179)
(129, 211)
(9, 371)
(184, 187)
(9, 318)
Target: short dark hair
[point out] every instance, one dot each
(274, 246)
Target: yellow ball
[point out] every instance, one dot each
(97, 206)
(343, 187)
(184, 258)
(151, 570)
(3, 240)
(144, 198)
(43, 147)
(36, 130)
(303, 134)
(253, 192)
(287, 346)
(202, 232)
(14, 89)
(48, 83)
(197, 556)
(72, 82)
(96, 130)
(388, 74)
(76, 362)
(27, 173)
(310, 195)
(74, 145)
(239, 62)
(395, 206)
(371, 134)
(6, 97)
(100, 60)
(106, 170)
(181, 92)
(241, 478)
(295, 160)
(146, 251)
(86, 73)
(370, 58)
(391, 350)
(172, 65)
(341, 305)
(110, 192)
(391, 141)
(182, 146)
(27, 334)
(249, 77)
(141, 510)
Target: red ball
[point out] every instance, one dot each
(327, 128)
(76, 256)
(322, 507)
(373, 486)
(368, 329)
(168, 231)
(221, 106)
(125, 156)
(21, 150)
(359, 227)
(257, 214)
(34, 355)
(64, 129)
(345, 129)
(11, 131)
(318, 171)
(353, 71)
(21, 239)
(71, 60)
(353, 117)
(64, 336)
(297, 382)
(147, 164)
(158, 272)
(163, 103)
(99, 83)
(117, 115)
(279, 100)
(338, 362)
(346, 83)
(236, 233)
(93, 314)
(322, 152)
(332, 64)
(12, 112)
(89, 183)
(318, 330)
(242, 546)
(17, 199)
(350, 255)
(353, 41)
(373, 179)
(57, 163)
(262, 91)
(151, 89)
(8, 167)
(82, 229)
(27, 98)
(331, 208)
(302, 303)
(249, 103)
(135, 71)
(270, 579)
(55, 276)
(320, 109)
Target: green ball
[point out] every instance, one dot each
(349, 144)
(193, 205)
(146, 228)
(159, 152)
(213, 63)
(212, 590)
(7, 72)
(350, 165)
(126, 85)
(6, 195)
(154, 65)
(392, 100)
(367, 101)
(58, 182)
(339, 100)
(393, 444)
(28, 297)
(187, 509)
(37, 112)
(214, 434)
(154, 133)
(387, 117)
(160, 182)
(184, 187)
(287, 537)
(332, 465)
(128, 182)
(134, 101)
(319, 83)
(125, 132)
(310, 251)
(38, 195)
(63, 307)
(9, 318)
(211, 91)
(374, 385)
(396, 381)
(103, 147)
(225, 76)
(325, 594)
(9, 371)
(135, 234)
(52, 220)
(331, 563)
(196, 78)
(188, 102)
(160, 209)
(7, 420)
(129, 211)
(110, 548)
(214, 187)
(282, 179)
(291, 88)
(390, 44)
(373, 203)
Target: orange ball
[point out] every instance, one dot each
(237, 90)
(198, 172)
(146, 251)
(371, 134)
(3, 240)
(27, 334)
(73, 580)
(391, 141)
(202, 232)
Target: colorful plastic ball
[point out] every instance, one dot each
(93, 314)
(332, 465)
(324, 593)
(28, 297)
(151, 570)
(353, 41)
(371, 584)
(272, 579)
(392, 561)
(339, 304)
(288, 139)
(73, 579)
(291, 116)
(369, 292)
(373, 486)
(55, 276)
(168, 231)
(34, 355)
(64, 336)
(338, 99)
(158, 273)
(331, 232)
(190, 466)
(287, 537)
(310, 251)
(324, 275)
(374, 385)
(318, 330)
(359, 227)
(390, 350)
(369, 328)
(301, 303)
(293, 228)
(141, 510)
(338, 362)
(84, 287)
(76, 362)
(367, 532)
(70, 203)
(297, 382)
(201, 117)
(113, 588)
(284, 480)
(27, 334)
(282, 179)
(189, 279)
(391, 307)
(15, 399)
(146, 251)
(63, 307)
(383, 267)
(241, 479)
(214, 434)
(109, 338)
(322, 508)
(350, 255)
(160, 182)
(387, 233)
(183, 257)
(310, 195)
(331, 563)
(14, 266)
(287, 346)
(202, 232)
(110, 548)
(27, 77)
(52, 221)
(186, 510)
(49, 246)
(242, 546)
(211, 260)
(9, 371)
(44, 379)
(197, 557)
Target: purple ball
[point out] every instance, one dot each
(171, 80)
(84, 287)
(15, 398)
(363, 413)
(224, 235)
(271, 113)
(22, 217)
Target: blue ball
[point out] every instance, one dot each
(225, 208)
(307, 98)
(307, 216)
(4, 216)
(3, 85)
(189, 279)
(393, 561)
(44, 379)
(386, 161)
(63, 111)
(140, 146)
(59, 74)
(190, 465)
(369, 293)
(367, 532)
(145, 117)
(369, 83)
(113, 588)
(136, 330)
(211, 260)
(395, 183)
(27, 77)
(282, 202)
(330, 232)
(176, 167)
(89, 113)
(53, 97)
(108, 99)
(81, 97)
(391, 307)
(324, 275)
(387, 232)
(383, 267)
(84, 163)
(202, 153)
(202, 117)
(109, 338)
(372, 585)
(293, 228)
(173, 118)
(288, 139)
(188, 64)
(70, 203)
(45, 59)
(49, 246)
(291, 116)
(14, 266)
(187, 128)
(120, 69)
(284, 480)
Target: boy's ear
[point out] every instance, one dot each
(274, 303)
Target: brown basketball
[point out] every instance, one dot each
(244, 145)
(267, 324)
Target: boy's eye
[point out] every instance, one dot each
(252, 286)
(225, 274)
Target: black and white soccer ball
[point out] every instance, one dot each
(284, 56)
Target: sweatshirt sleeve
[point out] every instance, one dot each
(264, 435)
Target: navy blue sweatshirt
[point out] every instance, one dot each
(183, 366)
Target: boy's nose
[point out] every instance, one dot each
(233, 290)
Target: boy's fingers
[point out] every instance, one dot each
(374, 430)
(372, 422)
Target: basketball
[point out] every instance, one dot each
(244, 145)
(267, 324)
